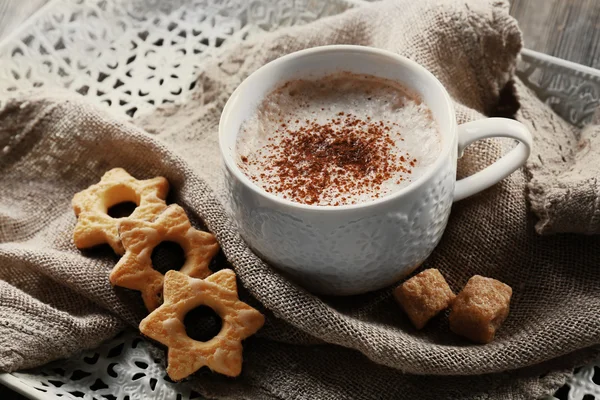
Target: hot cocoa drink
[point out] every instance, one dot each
(337, 140)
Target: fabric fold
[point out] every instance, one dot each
(564, 189)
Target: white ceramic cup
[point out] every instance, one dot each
(353, 249)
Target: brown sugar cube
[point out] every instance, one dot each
(423, 296)
(480, 308)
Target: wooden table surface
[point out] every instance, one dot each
(568, 29)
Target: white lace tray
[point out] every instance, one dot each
(133, 55)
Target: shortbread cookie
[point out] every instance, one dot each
(223, 353)
(95, 226)
(134, 270)
(423, 296)
(480, 309)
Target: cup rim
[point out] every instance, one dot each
(404, 62)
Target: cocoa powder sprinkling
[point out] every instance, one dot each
(340, 139)
(315, 161)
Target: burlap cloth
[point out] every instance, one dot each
(56, 300)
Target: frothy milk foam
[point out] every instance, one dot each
(340, 139)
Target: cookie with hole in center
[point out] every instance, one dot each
(94, 225)
(135, 270)
(223, 353)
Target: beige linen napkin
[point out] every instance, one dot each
(564, 188)
(55, 300)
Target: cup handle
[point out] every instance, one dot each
(488, 128)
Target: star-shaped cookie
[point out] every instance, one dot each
(95, 226)
(223, 353)
(134, 270)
